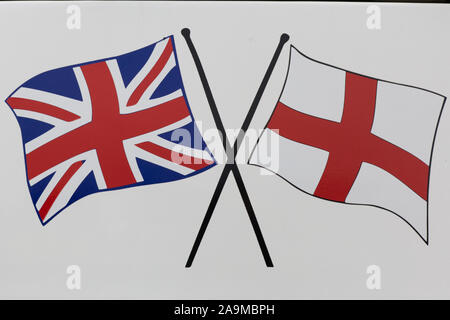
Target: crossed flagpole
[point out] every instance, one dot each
(231, 167)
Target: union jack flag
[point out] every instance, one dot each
(108, 124)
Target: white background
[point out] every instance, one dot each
(134, 243)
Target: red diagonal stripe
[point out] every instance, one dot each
(186, 160)
(41, 107)
(58, 188)
(150, 77)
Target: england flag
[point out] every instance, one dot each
(351, 138)
(109, 124)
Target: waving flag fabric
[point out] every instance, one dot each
(108, 124)
(350, 138)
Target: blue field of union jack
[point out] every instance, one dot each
(107, 124)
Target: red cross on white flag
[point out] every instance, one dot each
(350, 138)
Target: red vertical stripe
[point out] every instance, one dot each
(345, 156)
(107, 126)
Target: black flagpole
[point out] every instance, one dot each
(233, 166)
